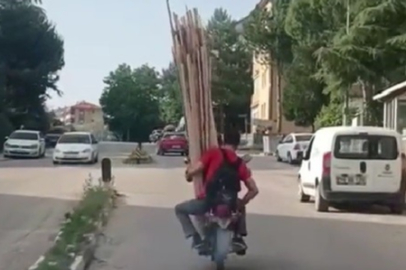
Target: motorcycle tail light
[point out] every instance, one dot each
(222, 211)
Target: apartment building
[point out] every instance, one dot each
(83, 116)
(266, 102)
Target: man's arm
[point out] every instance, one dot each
(252, 190)
(198, 167)
(245, 176)
(194, 169)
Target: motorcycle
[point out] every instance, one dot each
(219, 225)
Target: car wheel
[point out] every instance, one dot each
(96, 159)
(320, 203)
(290, 161)
(302, 196)
(55, 162)
(278, 158)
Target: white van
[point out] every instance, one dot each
(353, 164)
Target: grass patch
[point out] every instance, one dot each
(87, 217)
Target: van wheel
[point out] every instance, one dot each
(397, 209)
(302, 197)
(320, 203)
(278, 158)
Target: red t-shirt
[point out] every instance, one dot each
(213, 159)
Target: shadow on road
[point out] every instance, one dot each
(150, 238)
(28, 226)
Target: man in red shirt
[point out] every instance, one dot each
(209, 163)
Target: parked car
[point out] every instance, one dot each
(52, 136)
(354, 165)
(155, 135)
(291, 147)
(24, 143)
(76, 147)
(173, 142)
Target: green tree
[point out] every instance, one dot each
(171, 101)
(130, 101)
(367, 50)
(232, 62)
(31, 54)
(303, 95)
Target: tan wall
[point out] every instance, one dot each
(90, 120)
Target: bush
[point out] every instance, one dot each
(332, 115)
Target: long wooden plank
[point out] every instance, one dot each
(192, 58)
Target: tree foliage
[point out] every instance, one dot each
(130, 101)
(303, 95)
(31, 54)
(334, 45)
(171, 100)
(232, 62)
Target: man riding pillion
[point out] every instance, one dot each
(210, 163)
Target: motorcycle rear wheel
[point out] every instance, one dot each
(220, 266)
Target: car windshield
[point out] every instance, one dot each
(303, 138)
(75, 138)
(174, 135)
(24, 136)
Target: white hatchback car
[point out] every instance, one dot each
(24, 143)
(291, 148)
(76, 147)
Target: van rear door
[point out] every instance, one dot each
(366, 163)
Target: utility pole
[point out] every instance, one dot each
(347, 91)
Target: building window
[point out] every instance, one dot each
(81, 117)
(263, 112)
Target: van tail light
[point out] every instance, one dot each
(326, 164)
(296, 147)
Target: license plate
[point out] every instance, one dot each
(351, 180)
(176, 146)
(21, 152)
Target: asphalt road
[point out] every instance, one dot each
(33, 202)
(115, 150)
(144, 234)
(283, 233)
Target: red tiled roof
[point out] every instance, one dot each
(85, 105)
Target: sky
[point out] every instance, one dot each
(100, 35)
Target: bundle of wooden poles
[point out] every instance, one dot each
(192, 58)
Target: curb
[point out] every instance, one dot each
(85, 257)
(83, 260)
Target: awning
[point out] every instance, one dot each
(392, 92)
(263, 123)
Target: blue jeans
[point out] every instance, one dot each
(197, 207)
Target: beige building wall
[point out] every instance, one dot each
(260, 105)
(87, 117)
(264, 102)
